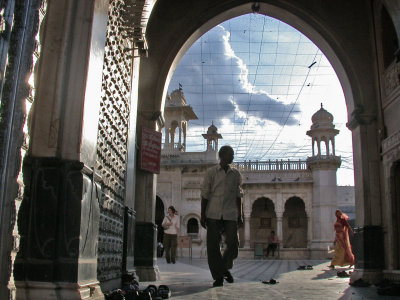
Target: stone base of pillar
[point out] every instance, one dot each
(145, 251)
(35, 290)
(392, 275)
(372, 276)
(148, 273)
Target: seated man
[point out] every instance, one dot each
(273, 242)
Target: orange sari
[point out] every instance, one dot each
(343, 252)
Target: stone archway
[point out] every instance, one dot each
(262, 220)
(332, 26)
(193, 219)
(350, 59)
(294, 224)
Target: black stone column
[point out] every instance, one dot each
(129, 241)
(58, 222)
(368, 247)
(146, 245)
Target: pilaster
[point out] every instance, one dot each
(59, 226)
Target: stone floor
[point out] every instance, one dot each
(191, 280)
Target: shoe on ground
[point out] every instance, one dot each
(218, 282)
(228, 277)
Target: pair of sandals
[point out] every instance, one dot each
(271, 281)
(162, 292)
(308, 267)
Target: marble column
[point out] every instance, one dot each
(279, 232)
(59, 215)
(368, 240)
(309, 230)
(247, 218)
(145, 203)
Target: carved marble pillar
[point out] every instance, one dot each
(247, 218)
(145, 203)
(368, 241)
(279, 207)
(309, 231)
(246, 231)
(59, 214)
(279, 232)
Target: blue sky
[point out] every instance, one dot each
(259, 81)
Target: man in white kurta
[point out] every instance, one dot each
(221, 213)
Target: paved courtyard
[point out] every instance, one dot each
(191, 280)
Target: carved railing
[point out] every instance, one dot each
(271, 165)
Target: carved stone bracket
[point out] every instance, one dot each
(359, 117)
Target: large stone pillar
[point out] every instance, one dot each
(324, 204)
(59, 216)
(145, 203)
(368, 240)
(19, 21)
(279, 231)
(247, 218)
(309, 231)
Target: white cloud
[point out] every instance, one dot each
(250, 77)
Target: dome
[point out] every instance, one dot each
(212, 129)
(176, 99)
(322, 116)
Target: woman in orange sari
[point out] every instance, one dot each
(343, 253)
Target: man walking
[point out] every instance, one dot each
(221, 213)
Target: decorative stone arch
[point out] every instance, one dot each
(350, 58)
(295, 223)
(189, 216)
(185, 222)
(254, 197)
(304, 197)
(263, 219)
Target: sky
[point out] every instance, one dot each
(259, 81)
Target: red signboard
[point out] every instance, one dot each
(150, 151)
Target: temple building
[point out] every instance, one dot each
(80, 83)
(295, 198)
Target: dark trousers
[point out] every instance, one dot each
(272, 247)
(170, 244)
(219, 264)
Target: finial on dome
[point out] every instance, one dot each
(322, 105)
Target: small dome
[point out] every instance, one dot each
(212, 129)
(176, 98)
(322, 116)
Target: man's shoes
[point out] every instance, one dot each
(228, 277)
(218, 282)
